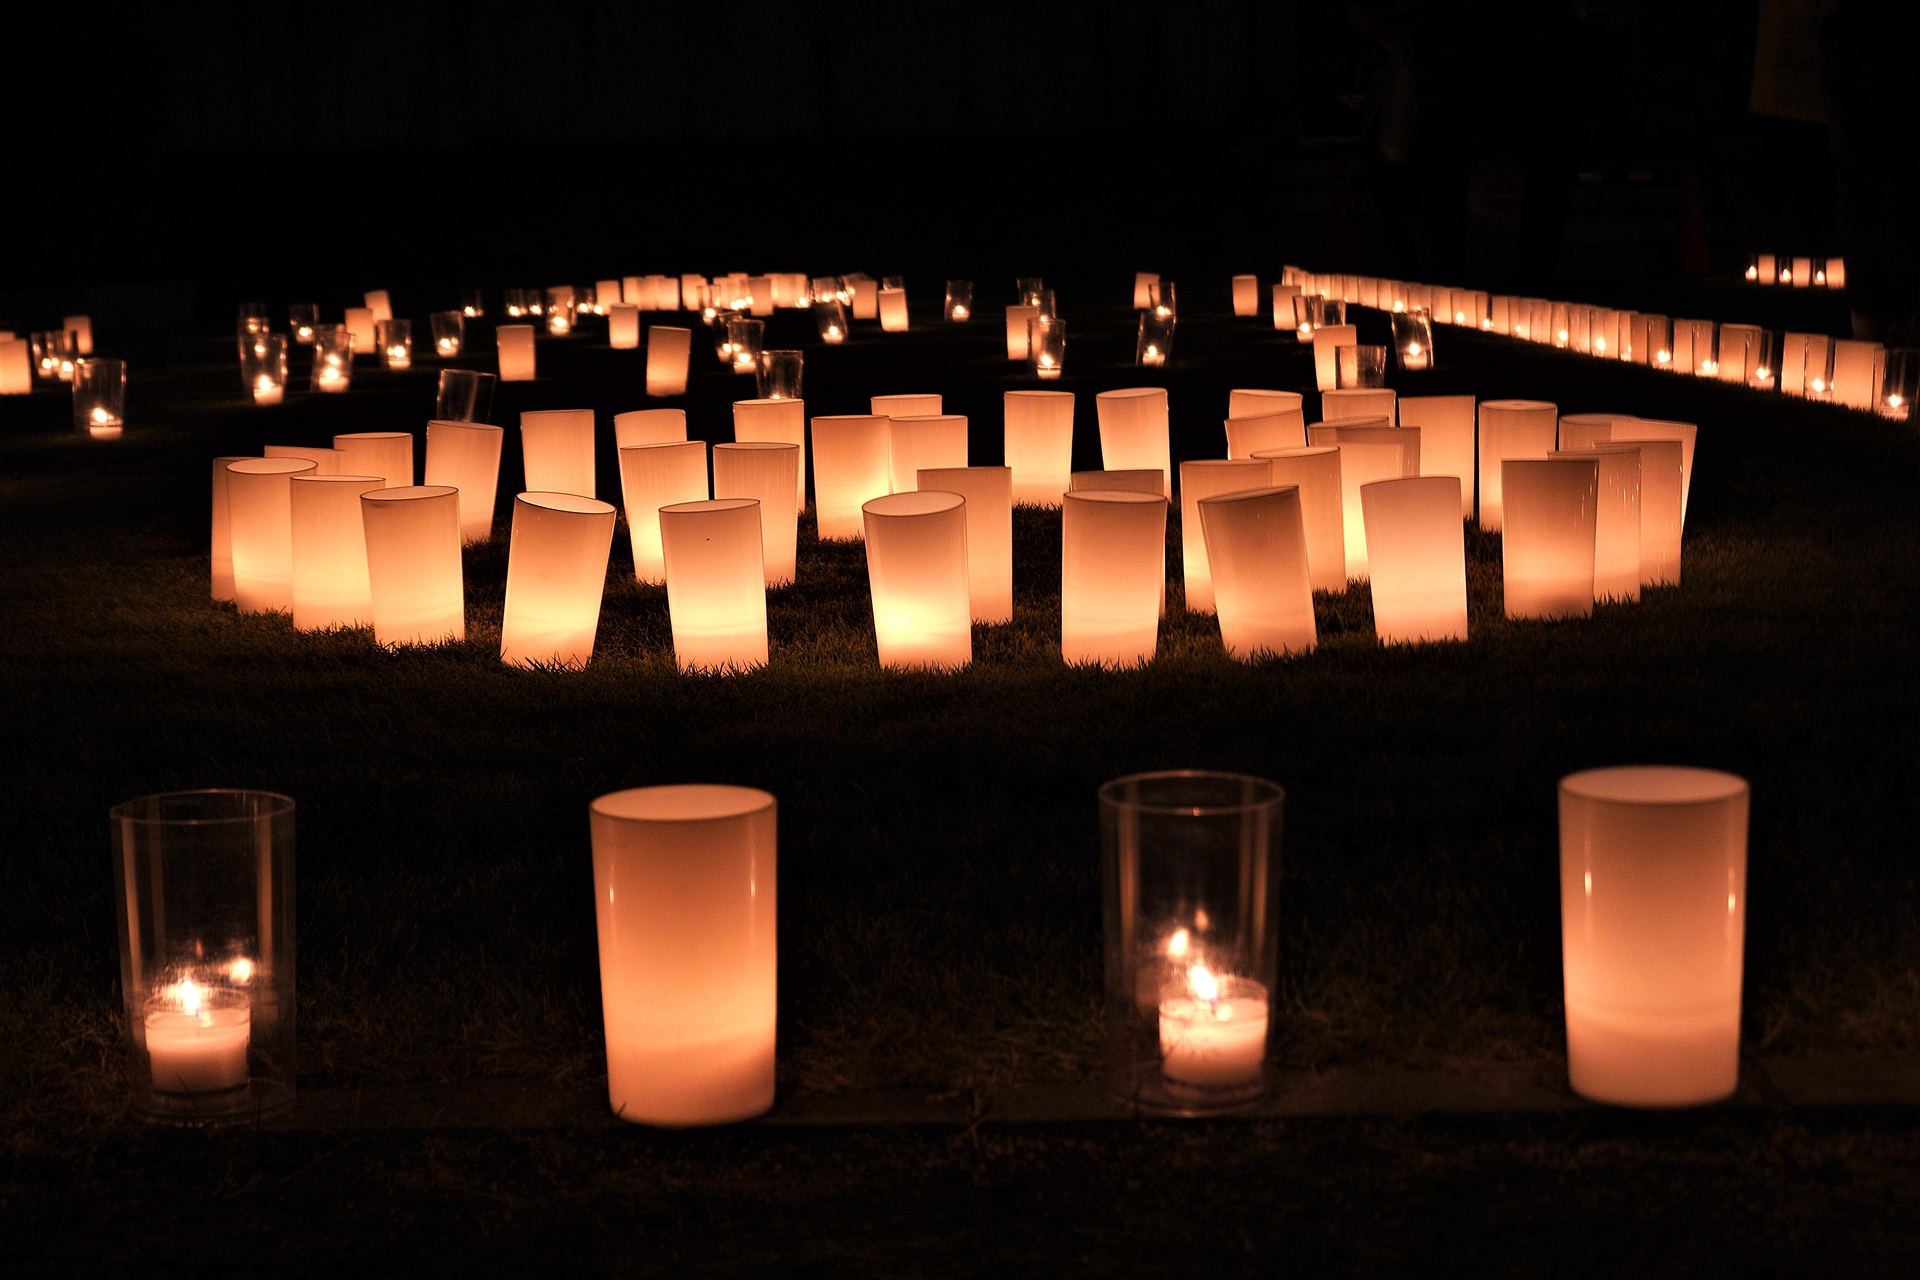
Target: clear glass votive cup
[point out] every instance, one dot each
(465, 395)
(830, 314)
(263, 367)
(301, 319)
(959, 301)
(1309, 312)
(778, 375)
(1359, 365)
(449, 333)
(745, 338)
(473, 304)
(1153, 346)
(394, 340)
(53, 354)
(332, 358)
(100, 398)
(1046, 346)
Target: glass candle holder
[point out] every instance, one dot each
(1753, 266)
(264, 368)
(1359, 366)
(332, 358)
(830, 315)
(1163, 298)
(562, 311)
(745, 338)
(959, 301)
(1153, 346)
(1899, 384)
(465, 395)
(252, 318)
(53, 354)
(778, 375)
(1657, 336)
(302, 319)
(1046, 347)
(1763, 360)
(514, 302)
(449, 333)
(1190, 873)
(473, 304)
(1413, 339)
(394, 341)
(203, 890)
(1818, 367)
(1309, 312)
(100, 398)
(1030, 288)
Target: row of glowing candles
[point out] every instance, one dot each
(98, 384)
(1591, 506)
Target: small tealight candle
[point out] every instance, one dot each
(1214, 1032)
(267, 391)
(197, 1038)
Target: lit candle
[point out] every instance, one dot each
(399, 357)
(1048, 369)
(448, 346)
(959, 313)
(197, 1044)
(833, 334)
(1152, 355)
(1214, 1033)
(267, 391)
(101, 422)
(304, 333)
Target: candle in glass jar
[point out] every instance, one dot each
(1214, 1034)
(197, 1044)
(267, 391)
(1153, 355)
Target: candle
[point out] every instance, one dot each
(1214, 1034)
(265, 391)
(197, 1042)
(1152, 355)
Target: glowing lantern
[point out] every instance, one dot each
(1653, 911)
(668, 350)
(1369, 450)
(716, 582)
(81, 327)
(379, 304)
(649, 426)
(1547, 545)
(763, 471)
(866, 297)
(1315, 471)
(326, 462)
(1244, 402)
(465, 395)
(387, 454)
(909, 406)
(1145, 283)
(515, 347)
(1584, 430)
(623, 327)
(1113, 573)
(221, 554)
(1133, 432)
(1126, 481)
(918, 575)
(684, 884)
(16, 366)
(1203, 478)
(1039, 444)
(1739, 351)
(466, 456)
(1256, 554)
(989, 512)
(780, 421)
(413, 564)
(1416, 558)
(1686, 434)
(1283, 296)
(653, 476)
(1246, 295)
(556, 573)
(893, 310)
(330, 586)
(917, 443)
(1661, 511)
(1855, 365)
(1327, 340)
(1250, 437)
(557, 449)
(360, 322)
(1358, 402)
(760, 299)
(1446, 439)
(260, 529)
(1018, 318)
(1511, 429)
(1616, 530)
(853, 463)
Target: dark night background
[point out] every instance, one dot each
(1517, 145)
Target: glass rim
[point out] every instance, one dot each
(121, 812)
(1275, 794)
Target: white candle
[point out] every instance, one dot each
(194, 1046)
(833, 334)
(1216, 1034)
(1152, 355)
(267, 391)
(1048, 369)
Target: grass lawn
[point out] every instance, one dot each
(939, 884)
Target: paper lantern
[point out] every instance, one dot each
(1347, 403)
(1446, 439)
(1369, 450)
(893, 310)
(1256, 555)
(1738, 351)
(693, 291)
(387, 454)
(684, 891)
(668, 350)
(54, 354)
(221, 554)
(1360, 367)
(1584, 430)
(1244, 402)
(81, 327)
(465, 395)
(923, 441)
(1133, 431)
(379, 304)
(1684, 433)
(359, 322)
(1139, 481)
(1511, 429)
(716, 585)
(1203, 478)
(760, 295)
(852, 457)
(205, 903)
(1315, 471)
(763, 471)
(1113, 573)
(515, 344)
(653, 476)
(1802, 269)
(1283, 296)
(1660, 511)
(1327, 340)
(1854, 367)
(326, 462)
(465, 456)
(866, 297)
(1144, 283)
(781, 421)
(1653, 910)
(1416, 558)
(16, 367)
(649, 426)
(413, 564)
(1547, 545)
(908, 406)
(330, 586)
(989, 515)
(623, 327)
(556, 573)
(1018, 319)
(1039, 444)
(260, 531)
(1246, 295)
(558, 451)
(918, 575)
(99, 398)
(1835, 272)
(1616, 530)
(1190, 872)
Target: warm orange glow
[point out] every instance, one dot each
(1113, 573)
(716, 582)
(466, 457)
(1511, 429)
(1348, 403)
(923, 441)
(779, 421)
(1256, 544)
(1315, 472)
(653, 476)
(1133, 432)
(764, 471)
(623, 327)
(668, 351)
(1246, 296)
(1203, 478)
(557, 447)
(1547, 552)
(515, 343)
(1327, 339)
(1446, 439)
(556, 572)
(330, 585)
(1416, 558)
(1039, 444)
(989, 511)
(221, 545)
(260, 529)
(1370, 450)
(852, 457)
(413, 564)
(1616, 544)
(893, 310)
(918, 576)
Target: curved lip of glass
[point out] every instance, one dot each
(1274, 793)
(280, 804)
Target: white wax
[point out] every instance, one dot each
(268, 394)
(199, 1052)
(1214, 1044)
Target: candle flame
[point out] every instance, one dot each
(1413, 348)
(1753, 273)
(101, 416)
(1895, 399)
(1177, 945)
(1459, 317)
(190, 994)
(1204, 984)
(1819, 384)
(241, 970)
(263, 383)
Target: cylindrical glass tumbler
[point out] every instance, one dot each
(1412, 339)
(684, 891)
(745, 339)
(1190, 869)
(264, 368)
(332, 358)
(1309, 311)
(960, 300)
(100, 398)
(1653, 908)
(778, 375)
(831, 316)
(394, 340)
(466, 395)
(1046, 347)
(1359, 366)
(1153, 345)
(203, 886)
(473, 304)
(449, 333)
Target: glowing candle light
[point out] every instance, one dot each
(1202, 478)
(917, 573)
(1315, 471)
(1246, 295)
(1547, 552)
(413, 564)
(1018, 319)
(1510, 429)
(653, 476)
(989, 514)
(330, 584)
(1039, 444)
(668, 352)
(1616, 545)
(221, 545)
(1446, 439)
(387, 454)
(556, 573)
(764, 471)
(260, 529)
(716, 582)
(1133, 431)
(1256, 546)
(515, 348)
(1327, 340)
(1416, 559)
(1369, 450)
(466, 456)
(196, 1038)
(852, 455)
(16, 366)
(779, 421)
(557, 447)
(923, 441)
(1112, 575)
